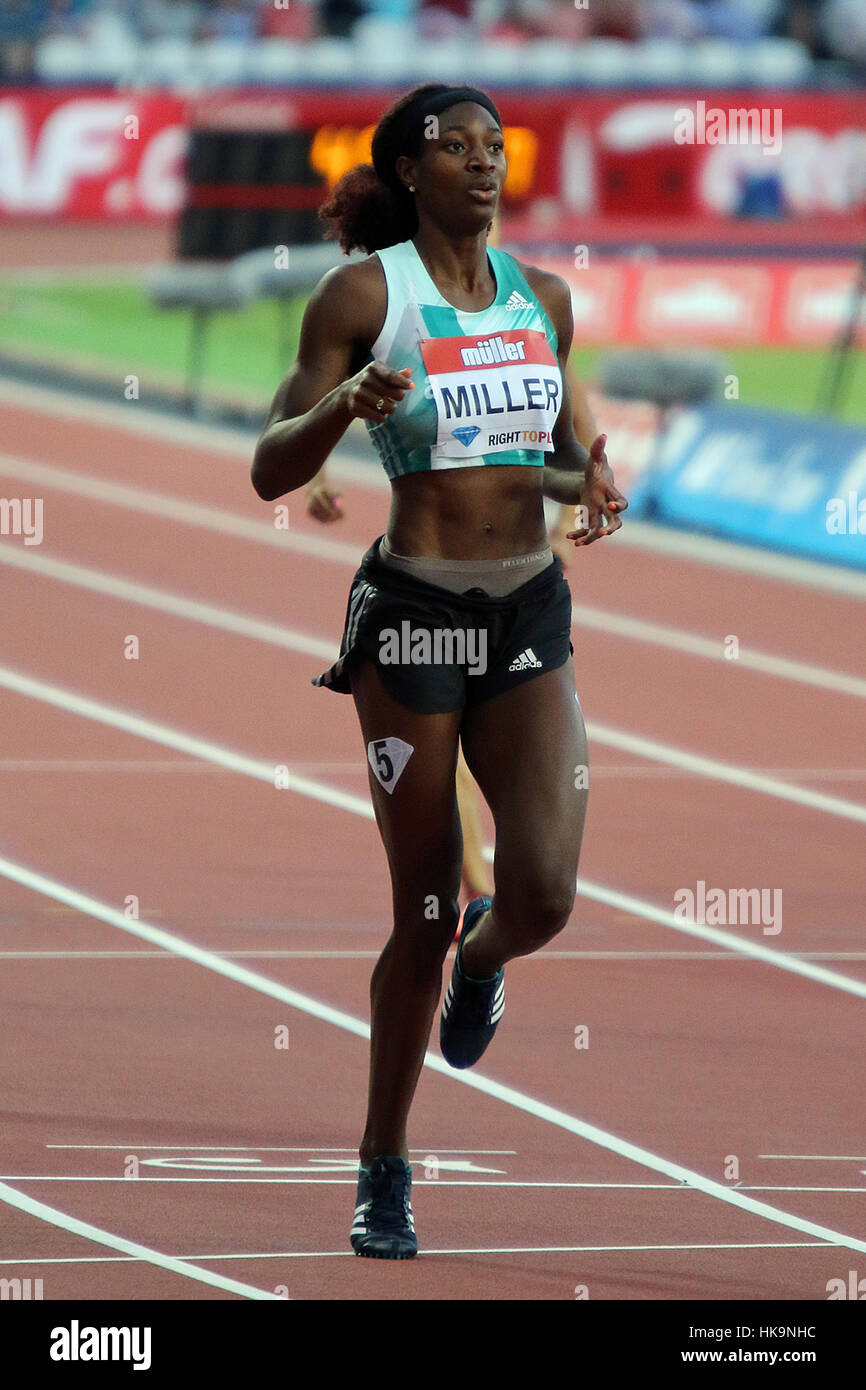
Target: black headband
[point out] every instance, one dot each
(440, 101)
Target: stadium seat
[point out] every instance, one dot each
(384, 49)
(716, 62)
(663, 60)
(330, 59)
(275, 61)
(63, 58)
(602, 62)
(443, 59)
(777, 62)
(548, 61)
(167, 62)
(222, 62)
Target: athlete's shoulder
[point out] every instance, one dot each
(545, 285)
(554, 295)
(365, 278)
(351, 297)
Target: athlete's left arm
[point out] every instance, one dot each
(575, 477)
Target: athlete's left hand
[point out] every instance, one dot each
(601, 502)
(322, 502)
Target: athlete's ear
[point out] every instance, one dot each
(406, 171)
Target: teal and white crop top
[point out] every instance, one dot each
(487, 384)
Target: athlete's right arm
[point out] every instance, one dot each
(315, 402)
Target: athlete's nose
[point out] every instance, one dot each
(482, 158)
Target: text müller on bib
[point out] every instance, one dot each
(493, 392)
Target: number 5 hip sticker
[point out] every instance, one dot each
(388, 757)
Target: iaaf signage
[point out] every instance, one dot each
(67, 152)
(91, 156)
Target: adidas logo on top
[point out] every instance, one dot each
(516, 301)
(526, 661)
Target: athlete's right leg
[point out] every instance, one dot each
(420, 827)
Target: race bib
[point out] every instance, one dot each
(493, 392)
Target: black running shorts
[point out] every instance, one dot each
(437, 651)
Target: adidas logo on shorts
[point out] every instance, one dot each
(526, 661)
(516, 301)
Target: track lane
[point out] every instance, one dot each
(356, 982)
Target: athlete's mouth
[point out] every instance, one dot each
(486, 191)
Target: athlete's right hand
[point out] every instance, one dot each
(374, 383)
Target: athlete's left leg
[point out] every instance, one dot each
(476, 878)
(527, 750)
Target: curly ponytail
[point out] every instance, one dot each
(370, 207)
(366, 213)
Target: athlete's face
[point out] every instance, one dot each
(461, 169)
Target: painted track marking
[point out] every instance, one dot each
(496, 1090)
(318, 791)
(65, 1222)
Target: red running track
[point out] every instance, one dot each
(147, 1095)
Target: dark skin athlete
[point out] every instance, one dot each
(523, 746)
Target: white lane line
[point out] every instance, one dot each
(318, 791)
(354, 460)
(267, 1149)
(163, 601)
(724, 772)
(65, 1222)
(174, 738)
(352, 1181)
(417, 1182)
(356, 464)
(538, 956)
(820, 1158)
(496, 1090)
(175, 509)
(654, 634)
(477, 1250)
(116, 586)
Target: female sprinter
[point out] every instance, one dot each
(324, 504)
(458, 621)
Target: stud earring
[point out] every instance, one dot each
(411, 188)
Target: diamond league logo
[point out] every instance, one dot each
(465, 434)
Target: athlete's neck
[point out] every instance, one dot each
(457, 262)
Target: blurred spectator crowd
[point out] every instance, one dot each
(45, 40)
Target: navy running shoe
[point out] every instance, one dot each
(384, 1227)
(472, 1008)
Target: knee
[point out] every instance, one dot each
(423, 931)
(537, 908)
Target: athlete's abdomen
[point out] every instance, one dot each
(467, 514)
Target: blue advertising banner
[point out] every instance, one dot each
(789, 482)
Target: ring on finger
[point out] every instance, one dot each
(380, 404)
